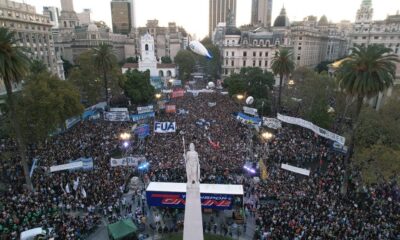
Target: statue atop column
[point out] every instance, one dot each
(192, 165)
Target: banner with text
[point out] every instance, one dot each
(138, 117)
(295, 169)
(212, 104)
(127, 161)
(170, 108)
(164, 127)
(116, 116)
(178, 93)
(251, 111)
(145, 109)
(68, 166)
(272, 123)
(309, 125)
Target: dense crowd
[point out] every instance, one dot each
(285, 206)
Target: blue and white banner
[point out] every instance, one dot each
(145, 109)
(143, 131)
(87, 163)
(339, 147)
(243, 118)
(177, 83)
(116, 116)
(127, 161)
(319, 131)
(68, 166)
(251, 111)
(272, 123)
(70, 122)
(164, 127)
(138, 117)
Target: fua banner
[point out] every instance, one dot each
(319, 131)
(164, 127)
(272, 123)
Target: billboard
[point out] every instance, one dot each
(177, 200)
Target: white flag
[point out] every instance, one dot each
(76, 184)
(83, 192)
(67, 188)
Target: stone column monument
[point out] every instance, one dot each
(193, 227)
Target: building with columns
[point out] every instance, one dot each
(33, 32)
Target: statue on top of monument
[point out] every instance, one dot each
(192, 165)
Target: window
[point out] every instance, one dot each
(355, 37)
(226, 62)
(146, 47)
(232, 63)
(267, 42)
(244, 63)
(227, 42)
(226, 71)
(244, 54)
(299, 48)
(233, 42)
(298, 57)
(254, 63)
(364, 37)
(266, 54)
(233, 54)
(300, 38)
(259, 63)
(254, 42)
(376, 37)
(254, 54)
(266, 64)
(260, 54)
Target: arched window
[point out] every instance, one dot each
(65, 24)
(261, 42)
(146, 47)
(169, 73)
(161, 73)
(254, 42)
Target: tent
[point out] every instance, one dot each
(124, 229)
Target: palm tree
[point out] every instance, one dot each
(104, 60)
(14, 65)
(366, 72)
(282, 65)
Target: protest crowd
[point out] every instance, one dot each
(284, 206)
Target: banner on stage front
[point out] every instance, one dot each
(68, 166)
(319, 131)
(138, 117)
(164, 127)
(145, 109)
(296, 169)
(272, 123)
(116, 116)
(127, 161)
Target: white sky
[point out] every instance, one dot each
(193, 14)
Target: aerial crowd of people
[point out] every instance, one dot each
(285, 205)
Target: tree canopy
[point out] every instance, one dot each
(137, 87)
(185, 59)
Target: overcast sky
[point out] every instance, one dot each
(193, 14)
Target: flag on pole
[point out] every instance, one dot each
(263, 170)
(83, 192)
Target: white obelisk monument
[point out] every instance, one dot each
(193, 227)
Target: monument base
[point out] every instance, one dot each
(193, 227)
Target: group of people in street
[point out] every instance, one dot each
(284, 206)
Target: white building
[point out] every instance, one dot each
(148, 61)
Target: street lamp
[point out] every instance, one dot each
(240, 96)
(125, 136)
(291, 82)
(158, 96)
(267, 135)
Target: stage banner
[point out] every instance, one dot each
(68, 166)
(178, 200)
(178, 93)
(127, 161)
(145, 109)
(243, 118)
(319, 131)
(116, 116)
(164, 127)
(251, 111)
(272, 123)
(295, 169)
(138, 117)
(143, 131)
(170, 108)
(212, 104)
